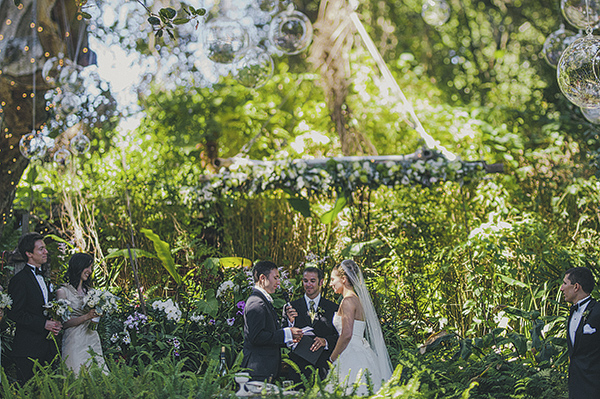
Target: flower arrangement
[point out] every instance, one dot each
(5, 301)
(169, 308)
(102, 301)
(59, 310)
(304, 176)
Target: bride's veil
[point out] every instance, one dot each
(373, 327)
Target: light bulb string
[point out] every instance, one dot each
(34, 63)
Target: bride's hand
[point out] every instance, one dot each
(92, 313)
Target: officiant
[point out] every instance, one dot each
(317, 312)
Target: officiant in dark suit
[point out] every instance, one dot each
(317, 312)
(30, 292)
(583, 334)
(263, 335)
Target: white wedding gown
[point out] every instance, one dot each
(357, 357)
(78, 341)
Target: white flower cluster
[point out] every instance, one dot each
(252, 178)
(197, 318)
(59, 309)
(102, 301)
(169, 308)
(5, 300)
(226, 286)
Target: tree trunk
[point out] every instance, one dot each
(58, 31)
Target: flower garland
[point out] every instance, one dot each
(340, 175)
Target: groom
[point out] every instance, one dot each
(263, 337)
(30, 293)
(583, 334)
(317, 312)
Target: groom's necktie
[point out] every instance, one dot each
(313, 310)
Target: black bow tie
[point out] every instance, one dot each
(37, 271)
(576, 307)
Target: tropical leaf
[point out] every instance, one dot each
(359, 248)
(138, 253)
(230, 262)
(163, 251)
(302, 205)
(329, 216)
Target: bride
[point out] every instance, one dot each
(360, 348)
(81, 345)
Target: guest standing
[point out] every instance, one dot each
(583, 335)
(317, 312)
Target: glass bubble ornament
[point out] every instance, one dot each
(33, 146)
(291, 32)
(556, 43)
(577, 72)
(80, 144)
(591, 114)
(254, 69)
(581, 14)
(62, 157)
(435, 12)
(68, 103)
(224, 40)
(270, 7)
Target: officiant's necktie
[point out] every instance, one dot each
(313, 310)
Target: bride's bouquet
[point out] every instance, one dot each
(59, 310)
(102, 301)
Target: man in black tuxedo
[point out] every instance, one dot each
(317, 312)
(583, 334)
(263, 336)
(30, 293)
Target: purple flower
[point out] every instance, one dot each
(231, 321)
(241, 305)
(211, 321)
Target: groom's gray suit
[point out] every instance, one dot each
(263, 338)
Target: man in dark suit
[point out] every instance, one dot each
(30, 293)
(317, 312)
(583, 334)
(263, 337)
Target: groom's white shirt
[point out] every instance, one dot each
(41, 282)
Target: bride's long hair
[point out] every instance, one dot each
(374, 335)
(77, 264)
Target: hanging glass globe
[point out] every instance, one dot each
(435, 12)
(80, 144)
(577, 72)
(62, 157)
(224, 40)
(270, 7)
(68, 103)
(591, 114)
(32, 146)
(556, 43)
(581, 14)
(291, 32)
(254, 69)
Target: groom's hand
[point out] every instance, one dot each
(291, 314)
(53, 326)
(296, 333)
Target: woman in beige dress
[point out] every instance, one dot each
(81, 345)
